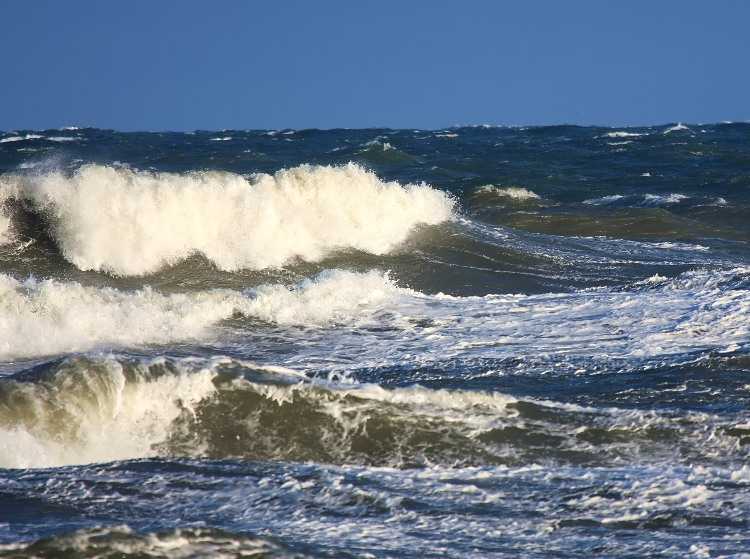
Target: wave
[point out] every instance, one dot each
(51, 317)
(129, 222)
(512, 192)
(123, 542)
(650, 200)
(379, 152)
(8, 139)
(623, 134)
(367, 313)
(677, 128)
(86, 409)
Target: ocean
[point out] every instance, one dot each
(473, 342)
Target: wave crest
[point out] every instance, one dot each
(73, 317)
(129, 222)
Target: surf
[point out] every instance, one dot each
(132, 223)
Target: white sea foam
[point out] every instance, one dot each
(94, 413)
(50, 317)
(623, 135)
(676, 128)
(647, 200)
(368, 315)
(604, 200)
(385, 146)
(63, 139)
(655, 200)
(658, 317)
(132, 223)
(20, 138)
(331, 296)
(514, 192)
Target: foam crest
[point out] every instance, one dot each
(331, 296)
(50, 317)
(676, 128)
(99, 409)
(623, 134)
(513, 192)
(94, 410)
(9, 139)
(133, 223)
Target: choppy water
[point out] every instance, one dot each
(474, 342)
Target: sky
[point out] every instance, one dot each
(158, 65)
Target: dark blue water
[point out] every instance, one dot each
(473, 342)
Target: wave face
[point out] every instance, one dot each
(132, 223)
(103, 409)
(475, 342)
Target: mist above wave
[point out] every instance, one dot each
(129, 222)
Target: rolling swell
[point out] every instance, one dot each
(100, 409)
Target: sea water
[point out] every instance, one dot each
(471, 342)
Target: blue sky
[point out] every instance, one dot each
(271, 64)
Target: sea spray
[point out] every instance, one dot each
(77, 318)
(129, 222)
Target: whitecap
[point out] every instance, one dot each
(652, 200)
(20, 138)
(514, 192)
(676, 128)
(132, 223)
(623, 134)
(604, 200)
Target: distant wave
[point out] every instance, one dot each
(20, 138)
(513, 192)
(646, 200)
(622, 134)
(676, 128)
(129, 222)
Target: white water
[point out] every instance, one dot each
(368, 314)
(88, 415)
(39, 318)
(132, 223)
(513, 192)
(97, 409)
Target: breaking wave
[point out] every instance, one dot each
(75, 318)
(129, 222)
(100, 409)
